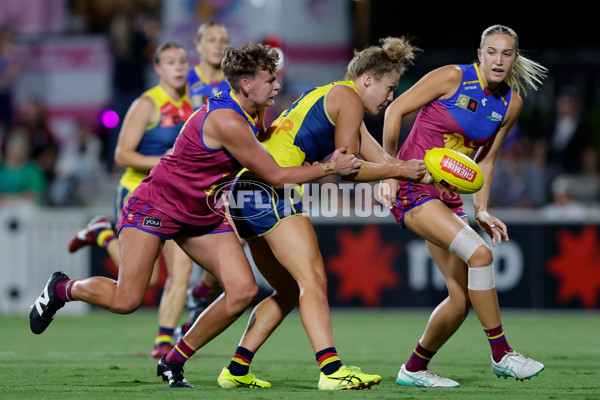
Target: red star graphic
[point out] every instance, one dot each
(577, 266)
(364, 266)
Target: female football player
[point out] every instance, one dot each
(282, 239)
(178, 201)
(149, 131)
(468, 108)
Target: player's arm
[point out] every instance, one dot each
(345, 108)
(371, 150)
(486, 158)
(437, 84)
(141, 114)
(225, 128)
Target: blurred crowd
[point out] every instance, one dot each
(552, 167)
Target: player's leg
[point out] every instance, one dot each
(294, 244)
(138, 253)
(98, 231)
(443, 322)
(138, 250)
(265, 317)
(441, 227)
(172, 302)
(221, 255)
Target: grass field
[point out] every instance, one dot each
(105, 356)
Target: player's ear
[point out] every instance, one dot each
(367, 79)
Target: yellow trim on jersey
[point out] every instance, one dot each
(203, 78)
(481, 82)
(250, 118)
(160, 98)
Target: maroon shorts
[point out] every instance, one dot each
(411, 195)
(138, 214)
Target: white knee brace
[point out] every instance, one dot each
(481, 278)
(464, 245)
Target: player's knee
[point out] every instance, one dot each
(481, 257)
(126, 306)
(471, 248)
(242, 296)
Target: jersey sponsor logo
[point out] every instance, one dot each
(282, 124)
(495, 116)
(470, 87)
(467, 103)
(151, 222)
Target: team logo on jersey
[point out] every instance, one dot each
(467, 103)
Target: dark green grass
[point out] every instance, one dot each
(105, 356)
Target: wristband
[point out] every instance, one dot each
(482, 215)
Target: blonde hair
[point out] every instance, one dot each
(246, 61)
(393, 55)
(202, 28)
(525, 72)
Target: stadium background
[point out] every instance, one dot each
(67, 63)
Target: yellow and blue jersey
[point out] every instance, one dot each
(304, 131)
(200, 89)
(158, 138)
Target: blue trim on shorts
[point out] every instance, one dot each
(215, 232)
(134, 225)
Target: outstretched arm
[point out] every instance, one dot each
(346, 109)
(225, 128)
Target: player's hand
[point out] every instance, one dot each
(387, 191)
(495, 228)
(412, 171)
(445, 194)
(344, 163)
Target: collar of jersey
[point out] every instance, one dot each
(254, 120)
(203, 79)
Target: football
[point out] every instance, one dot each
(453, 170)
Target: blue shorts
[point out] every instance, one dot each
(411, 195)
(137, 214)
(256, 208)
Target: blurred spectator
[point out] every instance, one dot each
(564, 206)
(519, 175)
(77, 169)
(33, 124)
(568, 136)
(585, 186)
(9, 71)
(20, 178)
(132, 39)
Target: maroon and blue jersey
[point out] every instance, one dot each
(186, 183)
(464, 122)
